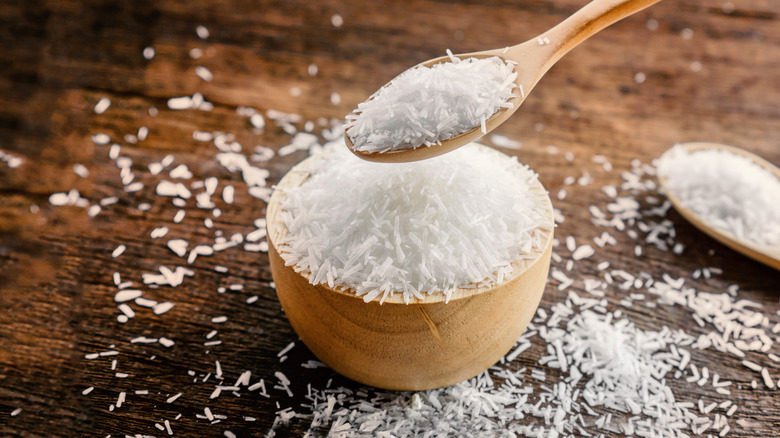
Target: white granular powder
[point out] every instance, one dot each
(728, 191)
(613, 378)
(426, 105)
(420, 228)
(625, 369)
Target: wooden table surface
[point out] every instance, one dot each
(683, 70)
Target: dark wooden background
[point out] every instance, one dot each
(719, 83)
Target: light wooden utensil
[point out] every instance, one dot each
(533, 57)
(426, 344)
(769, 255)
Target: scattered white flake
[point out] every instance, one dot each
(167, 276)
(101, 139)
(233, 162)
(767, 378)
(204, 73)
(180, 172)
(335, 98)
(583, 252)
(102, 105)
(134, 187)
(302, 141)
(165, 342)
(180, 103)
(161, 308)
(12, 161)
(257, 120)
(284, 382)
(148, 53)
(202, 136)
(179, 216)
(16, 412)
(87, 390)
(143, 132)
(145, 302)
(199, 251)
(219, 319)
(159, 232)
(173, 398)
(167, 188)
(286, 349)
(312, 70)
(202, 32)
(118, 251)
(256, 247)
(228, 193)
(127, 295)
(652, 24)
(256, 235)
(178, 246)
(336, 20)
(263, 193)
(505, 142)
(211, 184)
(58, 199)
(113, 151)
(155, 168)
(127, 310)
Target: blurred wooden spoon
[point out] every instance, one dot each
(769, 255)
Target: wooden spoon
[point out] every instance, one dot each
(769, 255)
(533, 57)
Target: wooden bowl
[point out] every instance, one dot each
(426, 344)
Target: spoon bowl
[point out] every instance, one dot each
(768, 255)
(532, 60)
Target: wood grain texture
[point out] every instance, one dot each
(717, 84)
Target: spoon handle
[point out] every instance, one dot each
(584, 23)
